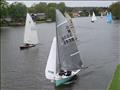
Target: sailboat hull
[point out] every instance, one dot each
(26, 46)
(64, 79)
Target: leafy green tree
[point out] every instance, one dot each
(17, 11)
(3, 8)
(115, 9)
(31, 9)
(3, 11)
(61, 6)
(40, 8)
(51, 13)
(52, 5)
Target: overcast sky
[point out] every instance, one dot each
(69, 3)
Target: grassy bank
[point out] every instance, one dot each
(115, 84)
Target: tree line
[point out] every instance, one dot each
(17, 11)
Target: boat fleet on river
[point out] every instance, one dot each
(64, 61)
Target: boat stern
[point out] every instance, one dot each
(62, 81)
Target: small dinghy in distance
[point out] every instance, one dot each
(89, 14)
(109, 17)
(93, 18)
(25, 46)
(64, 61)
(30, 34)
(101, 15)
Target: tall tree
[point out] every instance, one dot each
(52, 5)
(51, 13)
(115, 9)
(31, 9)
(17, 11)
(61, 6)
(3, 11)
(3, 8)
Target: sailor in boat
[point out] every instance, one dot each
(28, 45)
(65, 73)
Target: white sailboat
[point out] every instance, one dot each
(93, 17)
(101, 15)
(30, 34)
(89, 14)
(109, 17)
(64, 60)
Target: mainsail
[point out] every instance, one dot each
(68, 53)
(30, 35)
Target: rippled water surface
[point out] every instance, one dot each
(99, 45)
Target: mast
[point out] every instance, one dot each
(57, 53)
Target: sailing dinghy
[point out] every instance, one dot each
(93, 17)
(30, 34)
(64, 61)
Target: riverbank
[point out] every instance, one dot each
(115, 84)
(23, 23)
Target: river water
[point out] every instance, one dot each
(99, 45)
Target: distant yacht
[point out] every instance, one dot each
(109, 17)
(89, 15)
(101, 15)
(93, 17)
(64, 61)
(30, 34)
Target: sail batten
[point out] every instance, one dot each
(70, 37)
(62, 23)
(75, 53)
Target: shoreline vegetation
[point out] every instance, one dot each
(15, 14)
(115, 84)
